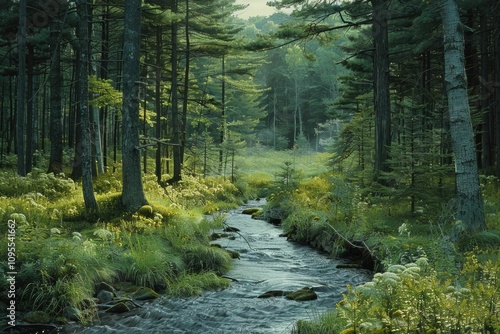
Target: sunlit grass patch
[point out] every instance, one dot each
(204, 258)
(148, 261)
(194, 284)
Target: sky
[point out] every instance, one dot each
(255, 8)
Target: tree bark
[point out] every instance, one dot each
(496, 42)
(21, 90)
(382, 103)
(469, 204)
(86, 156)
(185, 98)
(159, 47)
(132, 191)
(55, 78)
(175, 103)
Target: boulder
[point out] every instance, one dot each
(37, 317)
(250, 211)
(145, 294)
(105, 296)
(72, 313)
(106, 287)
(120, 307)
(231, 229)
(302, 295)
(272, 293)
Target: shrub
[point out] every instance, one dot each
(51, 186)
(412, 299)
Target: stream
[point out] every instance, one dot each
(267, 262)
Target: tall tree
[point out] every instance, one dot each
(469, 204)
(21, 90)
(55, 78)
(496, 44)
(382, 105)
(86, 157)
(177, 159)
(132, 191)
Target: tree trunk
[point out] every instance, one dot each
(86, 156)
(159, 47)
(496, 43)
(132, 192)
(183, 124)
(175, 105)
(485, 100)
(382, 103)
(223, 114)
(30, 98)
(55, 136)
(469, 204)
(21, 90)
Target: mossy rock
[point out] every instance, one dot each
(257, 213)
(106, 287)
(272, 293)
(146, 210)
(215, 236)
(120, 307)
(37, 317)
(145, 294)
(233, 254)
(250, 211)
(72, 313)
(303, 295)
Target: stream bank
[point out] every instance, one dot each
(267, 262)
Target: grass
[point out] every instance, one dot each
(62, 253)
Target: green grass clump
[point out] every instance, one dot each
(204, 258)
(148, 261)
(194, 284)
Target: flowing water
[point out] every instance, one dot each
(268, 262)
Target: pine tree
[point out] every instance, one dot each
(132, 190)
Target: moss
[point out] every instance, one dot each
(37, 317)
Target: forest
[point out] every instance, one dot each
(128, 130)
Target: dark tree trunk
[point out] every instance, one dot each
(469, 204)
(496, 43)
(56, 143)
(159, 47)
(486, 94)
(175, 103)
(132, 192)
(381, 86)
(86, 156)
(30, 131)
(21, 91)
(186, 87)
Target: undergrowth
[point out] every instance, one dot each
(63, 253)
